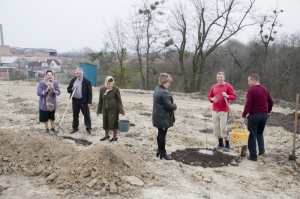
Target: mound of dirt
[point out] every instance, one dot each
(286, 121)
(110, 170)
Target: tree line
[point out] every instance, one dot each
(192, 41)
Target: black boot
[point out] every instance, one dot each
(157, 152)
(163, 154)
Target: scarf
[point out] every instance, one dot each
(49, 104)
(106, 82)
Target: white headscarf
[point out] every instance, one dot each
(106, 82)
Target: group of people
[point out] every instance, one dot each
(80, 89)
(257, 108)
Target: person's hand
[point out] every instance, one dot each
(75, 86)
(48, 88)
(97, 114)
(214, 100)
(269, 115)
(123, 113)
(224, 94)
(242, 120)
(89, 105)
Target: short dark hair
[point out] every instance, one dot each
(254, 76)
(49, 71)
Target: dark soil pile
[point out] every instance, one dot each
(286, 121)
(193, 157)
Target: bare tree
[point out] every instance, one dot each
(148, 30)
(136, 41)
(178, 23)
(117, 39)
(217, 21)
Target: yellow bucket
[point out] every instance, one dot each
(240, 135)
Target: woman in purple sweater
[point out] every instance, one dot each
(258, 107)
(48, 89)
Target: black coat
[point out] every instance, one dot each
(163, 108)
(87, 93)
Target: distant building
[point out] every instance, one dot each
(42, 66)
(12, 61)
(12, 73)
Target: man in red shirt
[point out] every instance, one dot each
(258, 107)
(220, 110)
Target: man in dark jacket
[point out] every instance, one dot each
(82, 100)
(163, 113)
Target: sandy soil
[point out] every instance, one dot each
(35, 165)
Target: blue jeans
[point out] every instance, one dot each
(256, 126)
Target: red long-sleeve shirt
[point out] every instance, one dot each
(216, 91)
(258, 101)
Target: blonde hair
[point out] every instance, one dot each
(164, 78)
(221, 73)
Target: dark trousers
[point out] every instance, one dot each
(256, 126)
(161, 139)
(77, 106)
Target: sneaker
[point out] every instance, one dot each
(218, 148)
(89, 131)
(226, 149)
(53, 130)
(47, 131)
(261, 153)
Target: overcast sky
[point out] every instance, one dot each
(67, 25)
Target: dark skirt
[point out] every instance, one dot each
(46, 115)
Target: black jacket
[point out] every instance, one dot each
(87, 93)
(163, 108)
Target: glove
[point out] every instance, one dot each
(224, 94)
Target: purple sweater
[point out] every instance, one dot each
(41, 91)
(258, 101)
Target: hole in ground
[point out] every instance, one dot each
(78, 140)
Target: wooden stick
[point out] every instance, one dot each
(295, 124)
(230, 110)
(57, 131)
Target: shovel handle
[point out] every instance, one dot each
(295, 123)
(230, 110)
(67, 107)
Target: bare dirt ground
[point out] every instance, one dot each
(35, 165)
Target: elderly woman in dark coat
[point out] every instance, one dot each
(110, 106)
(47, 90)
(163, 113)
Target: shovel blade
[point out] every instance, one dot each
(56, 132)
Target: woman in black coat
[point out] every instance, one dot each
(163, 113)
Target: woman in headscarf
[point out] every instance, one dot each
(163, 113)
(110, 106)
(48, 89)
